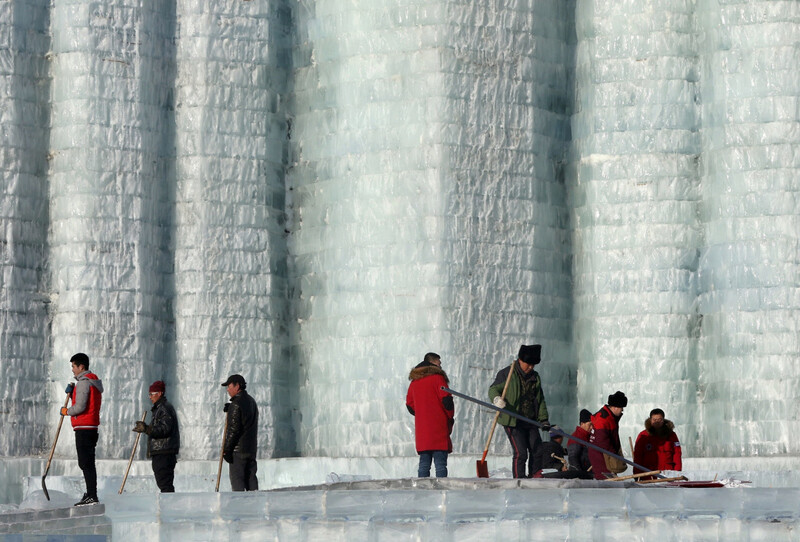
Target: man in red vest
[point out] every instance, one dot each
(85, 416)
(433, 412)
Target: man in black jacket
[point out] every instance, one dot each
(241, 438)
(164, 438)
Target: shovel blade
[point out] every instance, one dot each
(44, 489)
(483, 468)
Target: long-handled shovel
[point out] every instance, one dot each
(482, 467)
(133, 453)
(552, 429)
(53, 450)
(222, 453)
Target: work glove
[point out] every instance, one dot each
(499, 402)
(69, 388)
(63, 411)
(546, 426)
(140, 427)
(225, 408)
(228, 457)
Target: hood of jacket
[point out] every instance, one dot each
(663, 431)
(421, 371)
(92, 379)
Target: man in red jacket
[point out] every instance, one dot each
(657, 447)
(433, 412)
(85, 416)
(605, 433)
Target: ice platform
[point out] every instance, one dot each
(434, 509)
(366, 507)
(84, 523)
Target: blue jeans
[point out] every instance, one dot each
(439, 457)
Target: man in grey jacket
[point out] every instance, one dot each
(241, 439)
(164, 438)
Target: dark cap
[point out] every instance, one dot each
(235, 379)
(618, 400)
(586, 416)
(530, 353)
(158, 385)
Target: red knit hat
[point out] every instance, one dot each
(158, 385)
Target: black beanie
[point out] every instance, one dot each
(586, 416)
(618, 400)
(530, 353)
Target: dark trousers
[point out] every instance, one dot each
(525, 440)
(86, 443)
(164, 471)
(242, 473)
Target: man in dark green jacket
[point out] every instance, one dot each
(523, 396)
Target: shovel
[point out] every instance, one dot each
(133, 454)
(53, 450)
(222, 453)
(482, 467)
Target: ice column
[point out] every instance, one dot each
(109, 207)
(24, 116)
(633, 200)
(505, 247)
(230, 273)
(749, 271)
(428, 208)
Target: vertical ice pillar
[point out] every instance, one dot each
(366, 200)
(24, 117)
(749, 271)
(428, 208)
(633, 199)
(505, 248)
(109, 215)
(230, 273)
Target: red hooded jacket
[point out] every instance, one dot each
(658, 449)
(432, 408)
(605, 433)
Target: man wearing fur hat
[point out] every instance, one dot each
(523, 396)
(433, 412)
(657, 447)
(163, 438)
(605, 434)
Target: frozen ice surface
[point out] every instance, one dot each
(37, 501)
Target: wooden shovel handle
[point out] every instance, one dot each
(497, 415)
(55, 440)
(133, 454)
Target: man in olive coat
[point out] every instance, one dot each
(524, 396)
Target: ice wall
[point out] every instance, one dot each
(749, 350)
(231, 310)
(634, 209)
(316, 193)
(506, 251)
(109, 254)
(429, 208)
(366, 204)
(24, 110)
